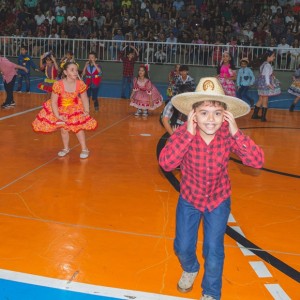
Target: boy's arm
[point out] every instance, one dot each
(175, 149)
(245, 148)
(250, 153)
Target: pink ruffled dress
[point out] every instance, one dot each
(143, 92)
(227, 84)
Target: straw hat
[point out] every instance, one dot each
(245, 59)
(209, 88)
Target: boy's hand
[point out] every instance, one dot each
(233, 128)
(191, 122)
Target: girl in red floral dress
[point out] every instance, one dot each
(145, 96)
(67, 110)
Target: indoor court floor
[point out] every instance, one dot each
(103, 227)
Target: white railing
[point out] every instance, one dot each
(149, 52)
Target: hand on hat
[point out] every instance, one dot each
(191, 122)
(233, 128)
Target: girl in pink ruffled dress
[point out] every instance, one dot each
(145, 96)
(227, 74)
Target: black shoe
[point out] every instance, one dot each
(251, 103)
(5, 105)
(97, 108)
(13, 103)
(292, 107)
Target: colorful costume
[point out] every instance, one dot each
(69, 106)
(227, 83)
(93, 78)
(294, 89)
(172, 79)
(142, 92)
(266, 78)
(51, 76)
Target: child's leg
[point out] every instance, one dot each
(27, 81)
(65, 138)
(81, 138)
(95, 98)
(20, 79)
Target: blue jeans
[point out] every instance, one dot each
(93, 92)
(27, 81)
(127, 83)
(242, 93)
(214, 224)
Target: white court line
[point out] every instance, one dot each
(20, 113)
(277, 292)
(56, 157)
(231, 219)
(82, 287)
(260, 269)
(245, 251)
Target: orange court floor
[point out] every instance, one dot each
(109, 220)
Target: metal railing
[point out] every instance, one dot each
(149, 52)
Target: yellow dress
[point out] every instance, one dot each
(70, 106)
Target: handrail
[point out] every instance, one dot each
(208, 55)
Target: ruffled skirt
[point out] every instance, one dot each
(46, 85)
(228, 86)
(294, 89)
(46, 122)
(141, 99)
(264, 90)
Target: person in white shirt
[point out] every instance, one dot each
(82, 19)
(248, 32)
(283, 54)
(39, 17)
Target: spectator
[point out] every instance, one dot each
(160, 55)
(50, 17)
(60, 9)
(116, 45)
(283, 54)
(82, 19)
(71, 17)
(39, 17)
(178, 4)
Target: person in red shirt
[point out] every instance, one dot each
(128, 59)
(202, 148)
(8, 70)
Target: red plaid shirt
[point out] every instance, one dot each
(205, 181)
(128, 66)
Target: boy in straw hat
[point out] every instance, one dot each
(245, 78)
(202, 148)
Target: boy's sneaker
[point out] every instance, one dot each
(13, 103)
(185, 283)
(206, 297)
(145, 113)
(5, 105)
(138, 112)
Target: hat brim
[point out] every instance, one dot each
(184, 102)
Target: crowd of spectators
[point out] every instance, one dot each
(261, 23)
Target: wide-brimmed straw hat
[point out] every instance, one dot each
(209, 88)
(245, 59)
